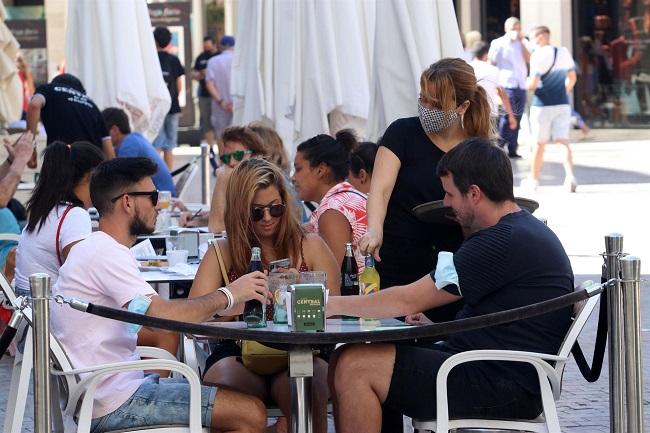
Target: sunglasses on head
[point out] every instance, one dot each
(275, 210)
(237, 154)
(153, 196)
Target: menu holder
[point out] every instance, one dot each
(435, 212)
(307, 307)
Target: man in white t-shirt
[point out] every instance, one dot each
(552, 77)
(126, 199)
(487, 76)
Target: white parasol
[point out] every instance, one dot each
(309, 67)
(110, 47)
(11, 95)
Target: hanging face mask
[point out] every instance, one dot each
(513, 35)
(434, 120)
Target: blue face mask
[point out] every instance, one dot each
(434, 120)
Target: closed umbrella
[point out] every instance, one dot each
(308, 67)
(11, 97)
(409, 36)
(110, 47)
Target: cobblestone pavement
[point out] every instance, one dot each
(614, 172)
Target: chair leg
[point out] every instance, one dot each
(19, 388)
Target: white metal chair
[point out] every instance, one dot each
(186, 177)
(550, 379)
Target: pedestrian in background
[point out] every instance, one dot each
(217, 82)
(510, 54)
(552, 77)
(210, 50)
(172, 71)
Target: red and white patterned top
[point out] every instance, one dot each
(352, 204)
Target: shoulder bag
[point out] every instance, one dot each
(258, 358)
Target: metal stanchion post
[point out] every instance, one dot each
(40, 285)
(301, 370)
(631, 289)
(613, 250)
(205, 174)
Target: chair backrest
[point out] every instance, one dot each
(7, 290)
(186, 177)
(581, 314)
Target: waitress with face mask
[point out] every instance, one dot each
(452, 108)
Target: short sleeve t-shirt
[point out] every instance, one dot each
(113, 280)
(69, 115)
(487, 76)
(135, 145)
(37, 249)
(517, 262)
(200, 64)
(171, 70)
(416, 183)
(551, 89)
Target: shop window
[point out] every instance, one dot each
(612, 52)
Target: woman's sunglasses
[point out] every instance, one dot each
(275, 210)
(237, 154)
(153, 196)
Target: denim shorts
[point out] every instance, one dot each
(167, 138)
(157, 402)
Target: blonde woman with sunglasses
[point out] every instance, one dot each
(261, 213)
(239, 143)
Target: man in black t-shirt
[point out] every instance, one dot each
(509, 259)
(68, 114)
(205, 100)
(172, 71)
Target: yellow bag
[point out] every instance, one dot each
(255, 356)
(262, 359)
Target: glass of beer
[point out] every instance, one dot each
(164, 199)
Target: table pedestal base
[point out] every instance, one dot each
(301, 370)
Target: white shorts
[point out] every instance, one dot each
(550, 123)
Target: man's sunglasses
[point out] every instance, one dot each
(237, 154)
(153, 196)
(275, 210)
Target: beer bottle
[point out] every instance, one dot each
(349, 276)
(254, 310)
(369, 278)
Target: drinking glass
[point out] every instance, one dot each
(278, 285)
(164, 199)
(313, 277)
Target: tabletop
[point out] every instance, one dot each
(336, 331)
(163, 275)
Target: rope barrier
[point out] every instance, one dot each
(418, 332)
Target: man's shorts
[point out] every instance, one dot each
(167, 138)
(550, 123)
(469, 392)
(157, 402)
(205, 111)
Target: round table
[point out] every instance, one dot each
(300, 345)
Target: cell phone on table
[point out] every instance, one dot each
(279, 264)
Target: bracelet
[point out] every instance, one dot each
(228, 293)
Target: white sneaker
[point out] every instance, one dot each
(529, 184)
(570, 184)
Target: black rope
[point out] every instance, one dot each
(294, 338)
(180, 169)
(9, 333)
(591, 374)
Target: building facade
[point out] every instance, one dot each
(609, 40)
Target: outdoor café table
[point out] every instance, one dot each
(154, 276)
(300, 345)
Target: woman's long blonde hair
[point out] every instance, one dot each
(448, 83)
(247, 178)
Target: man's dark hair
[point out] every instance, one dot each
(480, 49)
(478, 161)
(69, 80)
(163, 36)
(115, 177)
(209, 38)
(114, 116)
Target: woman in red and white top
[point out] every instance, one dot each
(321, 165)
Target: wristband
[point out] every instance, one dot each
(229, 296)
